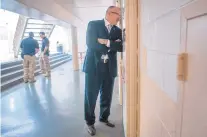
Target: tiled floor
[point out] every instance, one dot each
(53, 108)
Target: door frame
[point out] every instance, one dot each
(132, 79)
(120, 59)
(132, 49)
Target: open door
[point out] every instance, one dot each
(194, 42)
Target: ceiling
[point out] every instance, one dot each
(19, 8)
(86, 10)
(85, 3)
(75, 12)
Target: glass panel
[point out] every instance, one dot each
(37, 37)
(36, 31)
(8, 24)
(61, 35)
(39, 26)
(35, 21)
(32, 30)
(36, 34)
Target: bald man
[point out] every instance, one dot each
(104, 40)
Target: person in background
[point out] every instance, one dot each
(44, 56)
(29, 48)
(104, 40)
(59, 47)
(57, 43)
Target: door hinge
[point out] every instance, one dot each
(182, 61)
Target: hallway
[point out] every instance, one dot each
(53, 108)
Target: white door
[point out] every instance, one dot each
(194, 120)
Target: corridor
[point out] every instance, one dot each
(53, 108)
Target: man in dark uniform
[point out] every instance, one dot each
(103, 40)
(44, 57)
(29, 48)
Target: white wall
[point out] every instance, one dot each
(62, 35)
(161, 36)
(160, 44)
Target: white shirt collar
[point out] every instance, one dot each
(106, 22)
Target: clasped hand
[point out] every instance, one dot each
(104, 41)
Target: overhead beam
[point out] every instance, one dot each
(51, 8)
(46, 10)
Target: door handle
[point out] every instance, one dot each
(182, 61)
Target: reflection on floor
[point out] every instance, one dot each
(52, 108)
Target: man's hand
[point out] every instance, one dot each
(102, 41)
(118, 40)
(36, 50)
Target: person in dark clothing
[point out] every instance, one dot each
(104, 40)
(29, 48)
(44, 57)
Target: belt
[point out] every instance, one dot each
(28, 55)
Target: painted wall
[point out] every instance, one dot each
(160, 44)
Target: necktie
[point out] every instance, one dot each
(109, 29)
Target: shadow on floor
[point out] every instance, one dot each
(53, 108)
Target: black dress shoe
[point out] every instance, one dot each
(91, 130)
(107, 123)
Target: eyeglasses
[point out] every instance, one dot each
(116, 13)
